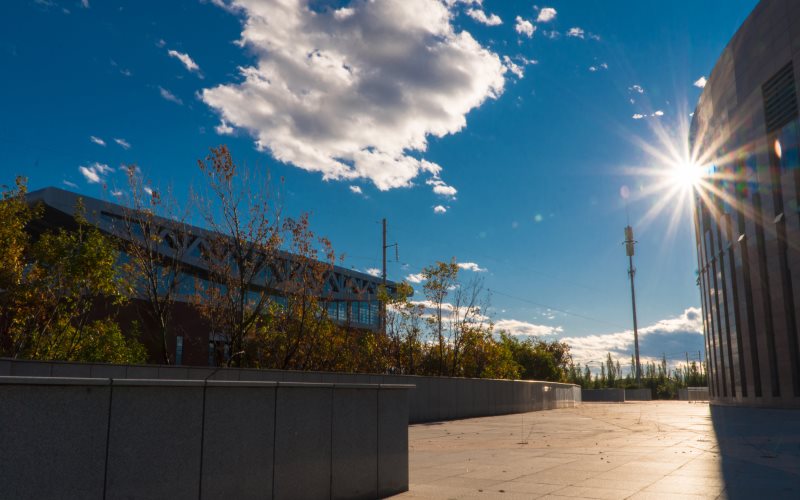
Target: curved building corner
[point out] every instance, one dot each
(747, 224)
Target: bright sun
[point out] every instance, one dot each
(685, 174)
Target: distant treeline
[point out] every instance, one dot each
(662, 382)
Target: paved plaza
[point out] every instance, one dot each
(659, 449)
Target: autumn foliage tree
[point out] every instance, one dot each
(240, 251)
(154, 236)
(57, 283)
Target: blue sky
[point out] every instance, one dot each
(497, 132)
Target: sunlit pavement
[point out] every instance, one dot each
(656, 449)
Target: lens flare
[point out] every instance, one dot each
(685, 174)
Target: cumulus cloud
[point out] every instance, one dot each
(166, 94)
(97, 140)
(356, 189)
(546, 14)
(350, 95)
(415, 278)
(95, 172)
(673, 335)
(523, 328)
(700, 82)
(481, 17)
(439, 209)
(524, 27)
(373, 271)
(471, 266)
(187, 61)
(123, 143)
(637, 116)
(575, 33)
(658, 113)
(441, 188)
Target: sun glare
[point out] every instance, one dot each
(685, 174)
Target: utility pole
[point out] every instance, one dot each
(629, 243)
(384, 246)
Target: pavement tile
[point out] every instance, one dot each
(649, 450)
(586, 492)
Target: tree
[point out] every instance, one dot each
(296, 332)
(240, 253)
(67, 278)
(440, 279)
(154, 236)
(404, 328)
(15, 214)
(539, 359)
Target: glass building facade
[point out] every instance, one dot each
(745, 131)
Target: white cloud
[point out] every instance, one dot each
(97, 140)
(592, 68)
(658, 113)
(187, 61)
(94, 173)
(148, 190)
(352, 97)
(343, 13)
(637, 116)
(547, 14)
(481, 17)
(356, 189)
(85, 4)
(373, 271)
(166, 94)
(439, 209)
(69, 184)
(441, 188)
(575, 32)
(123, 143)
(161, 43)
(516, 327)
(672, 335)
(636, 88)
(517, 64)
(524, 27)
(415, 278)
(471, 266)
(223, 128)
(594, 37)
(116, 193)
(604, 65)
(700, 82)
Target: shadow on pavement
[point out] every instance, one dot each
(760, 451)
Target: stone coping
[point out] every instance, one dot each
(128, 382)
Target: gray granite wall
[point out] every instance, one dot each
(133, 438)
(433, 399)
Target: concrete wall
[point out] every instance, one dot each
(638, 395)
(435, 398)
(127, 438)
(603, 395)
(693, 394)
